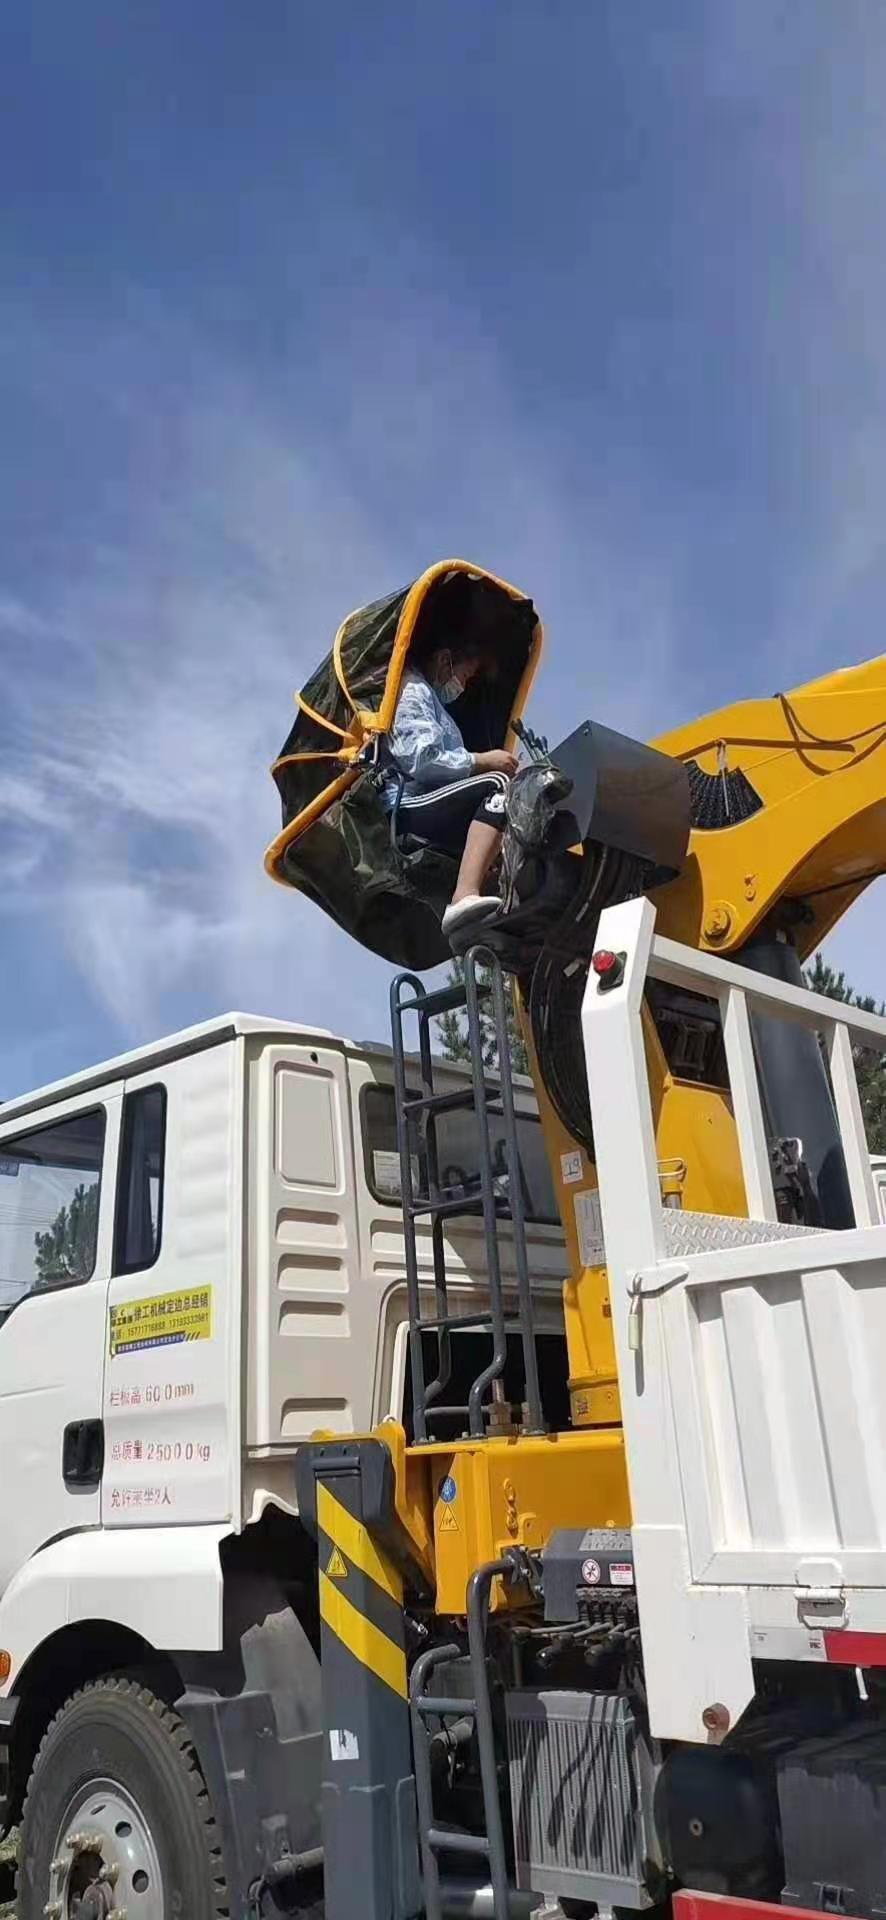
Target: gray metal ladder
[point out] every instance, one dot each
(418, 1110)
(434, 1840)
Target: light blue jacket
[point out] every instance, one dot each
(424, 744)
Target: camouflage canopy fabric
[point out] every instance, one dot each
(336, 845)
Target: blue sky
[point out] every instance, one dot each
(294, 301)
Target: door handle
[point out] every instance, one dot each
(83, 1453)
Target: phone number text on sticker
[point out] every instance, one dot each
(167, 1320)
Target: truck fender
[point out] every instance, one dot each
(163, 1583)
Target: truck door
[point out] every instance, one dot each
(56, 1226)
(171, 1391)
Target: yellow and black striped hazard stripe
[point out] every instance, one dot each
(361, 1593)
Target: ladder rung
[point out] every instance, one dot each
(445, 1842)
(440, 1704)
(434, 1103)
(450, 1209)
(449, 1321)
(442, 1000)
(446, 1209)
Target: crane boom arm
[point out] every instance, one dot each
(804, 774)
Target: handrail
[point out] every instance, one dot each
(615, 1052)
(739, 990)
(679, 965)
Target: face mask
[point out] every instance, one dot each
(449, 690)
(449, 686)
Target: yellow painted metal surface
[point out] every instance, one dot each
(698, 1156)
(496, 1493)
(593, 1375)
(817, 759)
(366, 1642)
(413, 1500)
(695, 1133)
(353, 1551)
(356, 1544)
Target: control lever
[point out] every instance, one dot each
(535, 743)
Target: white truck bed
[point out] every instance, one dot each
(751, 1356)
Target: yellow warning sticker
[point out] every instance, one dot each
(336, 1566)
(447, 1522)
(166, 1320)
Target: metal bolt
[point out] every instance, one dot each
(718, 922)
(716, 1718)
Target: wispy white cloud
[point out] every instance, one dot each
(148, 670)
(135, 788)
(145, 697)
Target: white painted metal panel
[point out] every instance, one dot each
(751, 1373)
(172, 1404)
(164, 1584)
(852, 1129)
(740, 1061)
(782, 1372)
(311, 1325)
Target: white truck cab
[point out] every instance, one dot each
(201, 1264)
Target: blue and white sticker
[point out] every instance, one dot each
(448, 1490)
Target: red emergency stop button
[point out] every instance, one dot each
(609, 968)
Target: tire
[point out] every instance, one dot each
(115, 1746)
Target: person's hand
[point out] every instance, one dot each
(496, 761)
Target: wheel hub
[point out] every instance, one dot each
(105, 1864)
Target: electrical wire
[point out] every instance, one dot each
(802, 736)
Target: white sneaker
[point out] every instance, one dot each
(475, 906)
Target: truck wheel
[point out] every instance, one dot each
(117, 1816)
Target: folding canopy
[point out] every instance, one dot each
(337, 843)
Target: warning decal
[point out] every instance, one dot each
(447, 1522)
(336, 1566)
(589, 1227)
(167, 1320)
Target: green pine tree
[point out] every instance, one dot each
(870, 1067)
(453, 1028)
(66, 1251)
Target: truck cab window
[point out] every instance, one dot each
(459, 1155)
(139, 1218)
(50, 1181)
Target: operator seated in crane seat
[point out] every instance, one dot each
(440, 791)
(342, 843)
